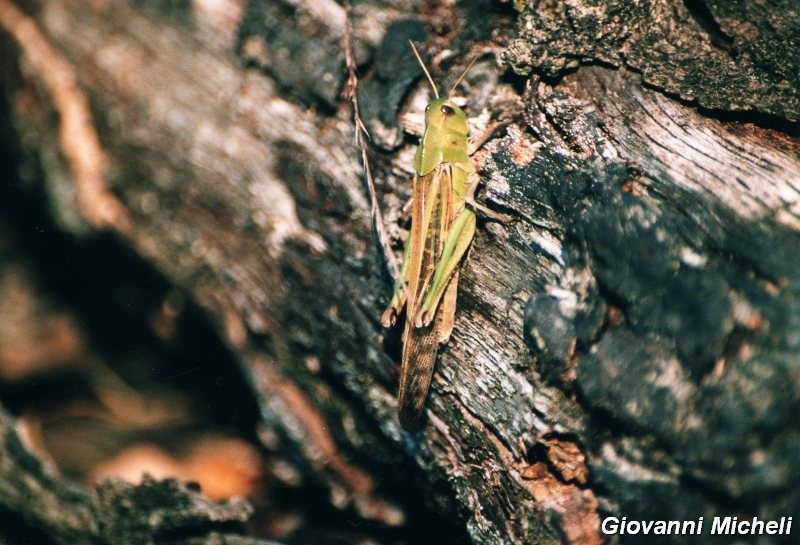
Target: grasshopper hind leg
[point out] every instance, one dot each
(455, 246)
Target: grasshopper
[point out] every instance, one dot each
(442, 226)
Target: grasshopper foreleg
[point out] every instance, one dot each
(389, 317)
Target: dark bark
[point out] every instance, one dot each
(627, 347)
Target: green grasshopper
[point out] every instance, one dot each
(442, 227)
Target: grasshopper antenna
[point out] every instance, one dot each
(464, 73)
(422, 64)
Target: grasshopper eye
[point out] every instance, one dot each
(446, 110)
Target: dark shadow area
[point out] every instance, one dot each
(14, 531)
(702, 15)
(116, 296)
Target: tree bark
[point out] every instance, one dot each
(627, 347)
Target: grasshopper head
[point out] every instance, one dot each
(446, 114)
(445, 138)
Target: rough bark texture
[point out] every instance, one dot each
(628, 347)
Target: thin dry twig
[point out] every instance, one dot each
(361, 136)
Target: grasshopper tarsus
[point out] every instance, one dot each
(424, 318)
(389, 317)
